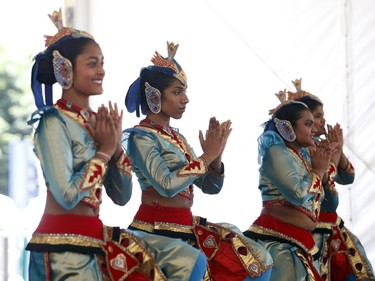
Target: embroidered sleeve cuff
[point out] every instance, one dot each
(124, 165)
(332, 170)
(94, 173)
(197, 166)
(315, 184)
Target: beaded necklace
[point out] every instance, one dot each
(83, 112)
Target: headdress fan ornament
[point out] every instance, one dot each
(286, 97)
(56, 18)
(170, 62)
(299, 93)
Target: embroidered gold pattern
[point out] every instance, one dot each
(56, 18)
(93, 180)
(134, 248)
(169, 62)
(149, 227)
(195, 167)
(123, 164)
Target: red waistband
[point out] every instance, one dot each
(157, 213)
(300, 235)
(72, 224)
(328, 217)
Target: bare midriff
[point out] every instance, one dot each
(290, 215)
(82, 209)
(154, 198)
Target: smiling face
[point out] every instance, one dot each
(88, 71)
(305, 129)
(174, 100)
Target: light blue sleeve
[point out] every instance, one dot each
(161, 164)
(289, 176)
(71, 171)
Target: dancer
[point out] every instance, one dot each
(290, 185)
(80, 151)
(347, 259)
(168, 170)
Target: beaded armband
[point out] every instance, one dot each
(93, 180)
(195, 167)
(124, 165)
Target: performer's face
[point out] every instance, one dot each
(89, 72)
(305, 129)
(174, 100)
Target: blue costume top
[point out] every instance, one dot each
(286, 177)
(167, 165)
(72, 174)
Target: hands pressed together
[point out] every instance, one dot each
(107, 131)
(214, 141)
(328, 150)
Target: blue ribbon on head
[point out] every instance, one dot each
(133, 97)
(37, 89)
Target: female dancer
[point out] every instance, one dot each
(168, 169)
(290, 184)
(80, 151)
(347, 259)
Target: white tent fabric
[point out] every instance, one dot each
(236, 55)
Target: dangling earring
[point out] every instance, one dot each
(285, 129)
(63, 70)
(153, 98)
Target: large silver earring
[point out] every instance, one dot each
(285, 129)
(153, 98)
(63, 70)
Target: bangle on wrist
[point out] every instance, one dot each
(104, 156)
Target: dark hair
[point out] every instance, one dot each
(156, 79)
(290, 112)
(69, 49)
(311, 103)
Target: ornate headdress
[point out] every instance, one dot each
(168, 66)
(284, 127)
(64, 33)
(299, 93)
(286, 97)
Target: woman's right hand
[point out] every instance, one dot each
(321, 157)
(104, 132)
(334, 136)
(214, 142)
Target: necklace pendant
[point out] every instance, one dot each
(168, 131)
(85, 114)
